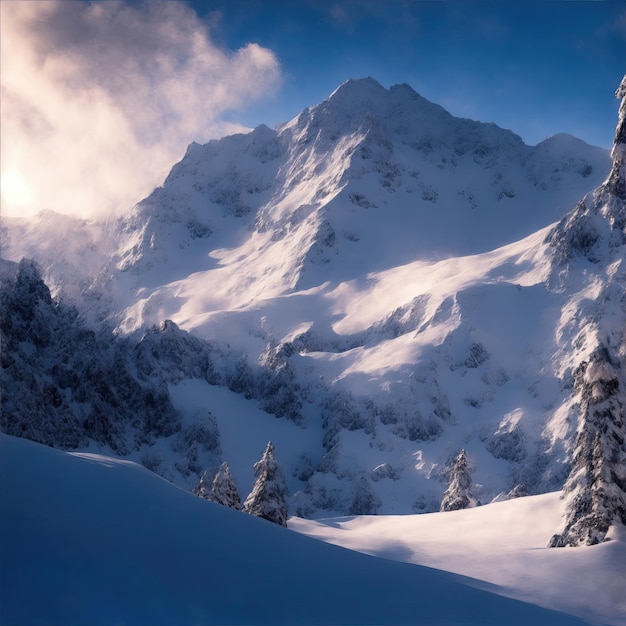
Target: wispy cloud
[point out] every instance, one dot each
(99, 99)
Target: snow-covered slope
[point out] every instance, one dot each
(365, 181)
(384, 278)
(88, 539)
(502, 543)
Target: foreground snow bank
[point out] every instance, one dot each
(87, 539)
(503, 543)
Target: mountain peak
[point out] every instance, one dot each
(404, 88)
(357, 103)
(368, 90)
(358, 88)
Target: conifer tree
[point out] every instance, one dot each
(595, 492)
(221, 489)
(203, 488)
(268, 496)
(458, 495)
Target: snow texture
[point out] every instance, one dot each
(502, 543)
(103, 541)
(373, 284)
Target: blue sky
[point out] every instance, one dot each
(537, 68)
(115, 90)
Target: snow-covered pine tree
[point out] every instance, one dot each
(221, 489)
(595, 491)
(458, 495)
(268, 496)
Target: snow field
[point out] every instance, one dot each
(502, 543)
(87, 539)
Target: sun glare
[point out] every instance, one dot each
(15, 190)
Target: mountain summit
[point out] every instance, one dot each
(375, 286)
(357, 184)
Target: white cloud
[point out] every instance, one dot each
(99, 99)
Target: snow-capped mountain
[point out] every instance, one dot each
(375, 286)
(351, 186)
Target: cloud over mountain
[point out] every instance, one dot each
(114, 93)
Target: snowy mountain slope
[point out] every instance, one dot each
(500, 544)
(373, 364)
(590, 247)
(382, 275)
(65, 385)
(103, 541)
(369, 179)
(366, 180)
(364, 137)
(408, 350)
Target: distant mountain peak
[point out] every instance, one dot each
(404, 88)
(367, 86)
(356, 96)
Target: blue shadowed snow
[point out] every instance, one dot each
(92, 540)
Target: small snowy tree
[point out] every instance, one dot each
(458, 495)
(222, 489)
(268, 496)
(203, 489)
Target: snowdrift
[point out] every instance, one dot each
(87, 539)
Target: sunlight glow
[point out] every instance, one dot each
(15, 189)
